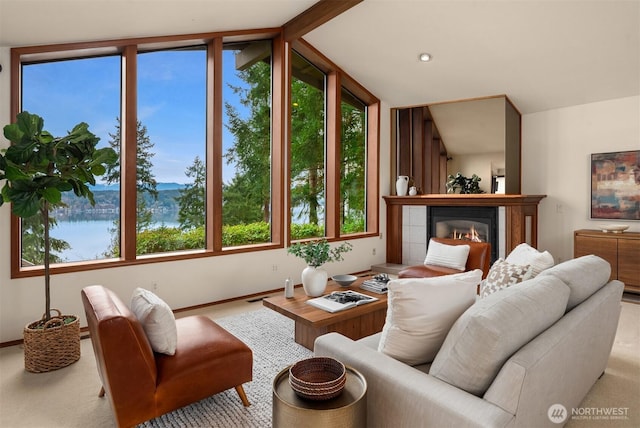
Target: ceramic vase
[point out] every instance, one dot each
(402, 184)
(413, 191)
(314, 281)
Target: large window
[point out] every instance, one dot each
(208, 131)
(353, 164)
(307, 149)
(246, 144)
(66, 93)
(171, 144)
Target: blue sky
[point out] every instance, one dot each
(171, 102)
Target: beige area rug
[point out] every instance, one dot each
(68, 398)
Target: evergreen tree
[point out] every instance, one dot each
(352, 184)
(251, 151)
(145, 180)
(191, 213)
(307, 150)
(33, 241)
(239, 202)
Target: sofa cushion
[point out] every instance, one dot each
(584, 276)
(494, 328)
(421, 311)
(502, 275)
(157, 320)
(451, 256)
(525, 254)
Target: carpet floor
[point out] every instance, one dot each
(68, 398)
(270, 336)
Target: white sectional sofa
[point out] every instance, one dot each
(506, 361)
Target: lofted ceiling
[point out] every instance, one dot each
(541, 54)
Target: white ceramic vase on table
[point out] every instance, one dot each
(314, 281)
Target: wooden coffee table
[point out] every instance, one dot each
(311, 322)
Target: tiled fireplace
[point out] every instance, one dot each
(477, 224)
(420, 224)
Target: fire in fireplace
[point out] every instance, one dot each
(478, 224)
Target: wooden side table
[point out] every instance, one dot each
(348, 410)
(621, 250)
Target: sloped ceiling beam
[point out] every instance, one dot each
(315, 16)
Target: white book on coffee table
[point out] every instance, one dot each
(340, 300)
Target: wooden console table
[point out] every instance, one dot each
(521, 216)
(621, 250)
(311, 322)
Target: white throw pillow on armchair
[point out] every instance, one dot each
(157, 320)
(420, 312)
(451, 256)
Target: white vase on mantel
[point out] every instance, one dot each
(402, 184)
(314, 281)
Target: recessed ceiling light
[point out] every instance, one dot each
(424, 57)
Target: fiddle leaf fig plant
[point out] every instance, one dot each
(38, 167)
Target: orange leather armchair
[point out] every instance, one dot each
(141, 384)
(479, 258)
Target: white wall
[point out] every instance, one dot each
(556, 161)
(181, 284)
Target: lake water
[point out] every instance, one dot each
(89, 239)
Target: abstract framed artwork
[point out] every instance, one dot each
(615, 185)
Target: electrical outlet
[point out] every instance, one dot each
(373, 251)
(154, 285)
(274, 268)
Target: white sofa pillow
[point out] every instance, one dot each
(494, 328)
(584, 276)
(525, 254)
(420, 312)
(451, 256)
(502, 275)
(157, 320)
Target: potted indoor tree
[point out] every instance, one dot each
(315, 254)
(37, 168)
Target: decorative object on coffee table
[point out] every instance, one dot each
(316, 253)
(344, 280)
(347, 410)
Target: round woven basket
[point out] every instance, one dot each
(318, 378)
(51, 345)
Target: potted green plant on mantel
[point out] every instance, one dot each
(38, 168)
(315, 254)
(465, 184)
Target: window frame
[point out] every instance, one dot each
(336, 80)
(281, 75)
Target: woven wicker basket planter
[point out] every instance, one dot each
(53, 347)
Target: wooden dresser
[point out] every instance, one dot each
(621, 250)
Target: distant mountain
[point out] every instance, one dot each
(160, 187)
